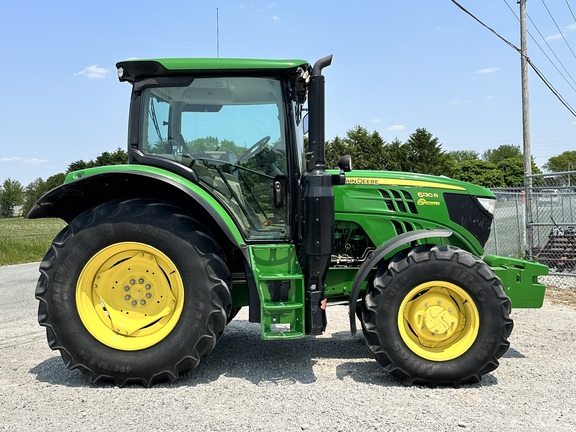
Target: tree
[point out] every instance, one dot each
(367, 149)
(55, 180)
(464, 155)
(200, 145)
(335, 149)
(505, 151)
(395, 156)
(77, 165)
(11, 196)
(563, 162)
(31, 194)
(39, 187)
(479, 172)
(512, 171)
(105, 158)
(424, 154)
(510, 160)
(118, 157)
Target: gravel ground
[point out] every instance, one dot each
(327, 383)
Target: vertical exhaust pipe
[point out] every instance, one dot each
(317, 205)
(317, 114)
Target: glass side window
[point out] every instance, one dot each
(230, 131)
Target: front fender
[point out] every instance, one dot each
(380, 252)
(88, 188)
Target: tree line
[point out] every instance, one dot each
(421, 153)
(16, 199)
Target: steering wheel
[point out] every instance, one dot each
(255, 149)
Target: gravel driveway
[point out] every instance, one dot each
(327, 383)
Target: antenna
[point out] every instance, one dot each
(217, 35)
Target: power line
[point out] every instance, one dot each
(551, 87)
(552, 51)
(485, 26)
(540, 75)
(567, 4)
(556, 24)
(544, 52)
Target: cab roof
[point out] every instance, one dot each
(131, 70)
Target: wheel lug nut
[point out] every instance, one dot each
(127, 297)
(132, 281)
(126, 288)
(148, 295)
(142, 302)
(134, 302)
(148, 286)
(141, 281)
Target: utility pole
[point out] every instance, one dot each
(526, 130)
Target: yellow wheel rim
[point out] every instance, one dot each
(129, 296)
(438, 321)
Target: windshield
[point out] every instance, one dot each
(230, 131)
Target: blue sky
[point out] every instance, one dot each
(398, 66)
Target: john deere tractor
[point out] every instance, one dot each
(222, 206)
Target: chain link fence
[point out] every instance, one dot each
(549, 235)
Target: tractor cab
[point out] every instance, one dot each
(230, 132)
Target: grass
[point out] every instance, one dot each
(26, 240)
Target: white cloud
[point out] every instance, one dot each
(460, 101)
(28, 161)
(567, 29)
(487, 70)
(34, 161)
(395, 128)
(376, 120)
(275, 18)
(553, 37)
(94, 72)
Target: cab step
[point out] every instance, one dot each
(280, 285)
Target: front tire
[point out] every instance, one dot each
(438, 316)
(133, 291)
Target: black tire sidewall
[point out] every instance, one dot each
(198, 323)
(383, 335)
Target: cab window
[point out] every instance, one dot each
(231, 132)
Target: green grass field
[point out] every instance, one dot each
(26, 240)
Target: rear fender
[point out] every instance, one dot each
(89, 188)
(380, 252)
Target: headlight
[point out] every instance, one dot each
(488, 203)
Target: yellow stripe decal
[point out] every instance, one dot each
(398, 182)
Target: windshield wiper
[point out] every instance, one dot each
(155, 120)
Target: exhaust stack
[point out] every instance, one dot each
(317, 206)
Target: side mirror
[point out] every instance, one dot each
(305, 124)
(345, 163)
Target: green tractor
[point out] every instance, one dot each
(221, 207)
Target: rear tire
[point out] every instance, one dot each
(133, 292)
(438, 316)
